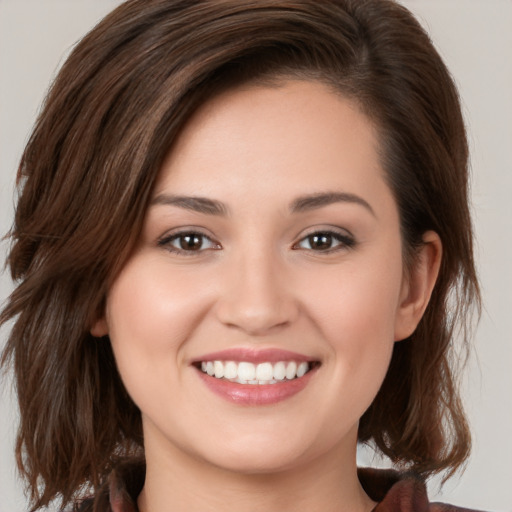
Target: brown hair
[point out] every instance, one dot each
(88, 170)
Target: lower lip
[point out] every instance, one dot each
(256, 394)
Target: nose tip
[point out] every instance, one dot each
(255, 321)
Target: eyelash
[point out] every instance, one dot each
(342, 241)
(180, 237)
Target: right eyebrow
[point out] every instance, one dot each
(193, 203)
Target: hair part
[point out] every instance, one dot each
(87, 174)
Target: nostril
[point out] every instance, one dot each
(256, 320)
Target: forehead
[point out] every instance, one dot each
(292, 136)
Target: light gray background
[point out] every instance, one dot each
(475, 38)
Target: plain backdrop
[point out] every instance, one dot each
(475, 39)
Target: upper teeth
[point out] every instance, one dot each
(249, 373)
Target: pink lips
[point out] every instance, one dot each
(255, 394)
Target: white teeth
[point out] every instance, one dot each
(301, 370)
(246, 371)
(219, 369)
(264, 371)
(291, 370)
(249, 373)
(230, 370)
(279, 371)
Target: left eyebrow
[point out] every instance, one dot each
(195, 204)
(319, 200)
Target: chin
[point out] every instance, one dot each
(257, 463)
(262, 454)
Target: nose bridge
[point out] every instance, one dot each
(255, 296)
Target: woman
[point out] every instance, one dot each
(239, 229)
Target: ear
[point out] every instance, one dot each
(417, 286)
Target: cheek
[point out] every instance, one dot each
(356, 315)
(150, 316)
(359, 303)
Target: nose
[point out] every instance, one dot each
(257, 295)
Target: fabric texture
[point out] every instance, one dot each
(393, 491)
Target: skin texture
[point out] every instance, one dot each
(254, 281)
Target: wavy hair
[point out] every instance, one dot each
(87, 172)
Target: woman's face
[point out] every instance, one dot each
(271, 248)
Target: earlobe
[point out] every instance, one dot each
(418, 285)
(99, 328)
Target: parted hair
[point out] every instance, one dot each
(87, 173)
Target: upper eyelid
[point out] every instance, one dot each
(344, 236)
(170, 236)
(166, 242)
(186, 230)
(324, 229)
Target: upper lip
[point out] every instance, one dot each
(251, 355)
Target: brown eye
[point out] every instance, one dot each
(320, 241)
(325, 241)
(192, 242)
(188, 242)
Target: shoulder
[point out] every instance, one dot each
(400, 492)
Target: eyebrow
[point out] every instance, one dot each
(319, 200)
(195, 204)
(301, 204)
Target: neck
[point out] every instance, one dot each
(328, 483)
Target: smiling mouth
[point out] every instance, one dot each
(244, 372)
